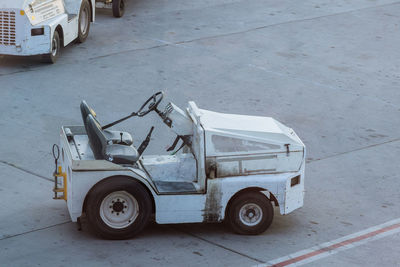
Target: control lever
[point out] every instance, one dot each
(146, 142)
(174, 144)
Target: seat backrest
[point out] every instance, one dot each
(85, 111)
(97, 139)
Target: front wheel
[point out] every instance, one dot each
(118, 208)
(250, 214)
(55, 49)
(118, 8)
(85, 14)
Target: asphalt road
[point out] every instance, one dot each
(328, 69)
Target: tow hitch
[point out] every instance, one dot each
(59, 173)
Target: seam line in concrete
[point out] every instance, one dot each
(133, 50)
(355, 150)
(287, 22)
(32, 231)
(25, 170)
(220, 246)
(317, 84)
(248, 30)
(332, 247)
(16, 72)
(220, 35)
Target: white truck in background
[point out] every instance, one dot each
(43, 27)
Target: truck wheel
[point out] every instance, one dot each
(118, 208)
(250, 214)
(85, 15)
(118, 8)
(55, 49)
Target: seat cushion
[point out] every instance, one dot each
(115, 137)
(121, 154)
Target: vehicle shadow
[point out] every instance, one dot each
(280, 225)
(16, 64)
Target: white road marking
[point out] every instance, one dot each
(329, 248)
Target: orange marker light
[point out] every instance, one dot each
(22, 13)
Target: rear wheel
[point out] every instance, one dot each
(118, 8)
(55, 49)
(250, 213)
(118, 208)
(85, 15)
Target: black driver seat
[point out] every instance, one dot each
(114, 136)
(103, 149)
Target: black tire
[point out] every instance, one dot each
(118, 8)
(254, 204)
(85, 15)
(55, 49)
(99, 200)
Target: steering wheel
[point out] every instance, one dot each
(151, 104)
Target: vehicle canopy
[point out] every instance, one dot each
(230, 133)
(244, 145)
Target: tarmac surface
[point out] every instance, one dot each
(328, 69)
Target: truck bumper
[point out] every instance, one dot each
(16, 37)
(292, 192)
(31, 45)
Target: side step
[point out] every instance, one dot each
(175, 187)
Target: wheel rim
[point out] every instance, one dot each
(250, 214)
(84, 21)
(119, 209)
(54, 48)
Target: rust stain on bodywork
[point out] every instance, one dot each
(213, 207)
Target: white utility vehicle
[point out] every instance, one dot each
(228, 167)
(42, 27)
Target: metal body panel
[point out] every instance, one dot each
(189, 208)
(180, 208)
(80, 183)
(246, 133)
(181, 124)
(73, 7)
(198, 150)
(221, 190)
(243, 145)
(39, 11)
(181, 167)
(23, 43)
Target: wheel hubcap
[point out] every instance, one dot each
(119, 209)
(84, 21)
(250, 214)
(54, 48)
